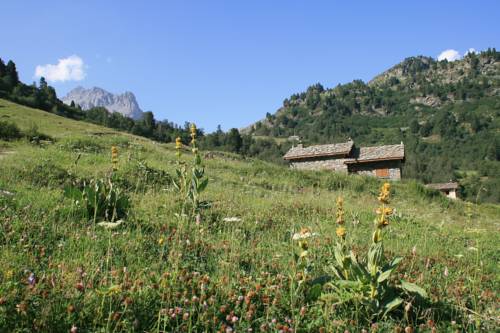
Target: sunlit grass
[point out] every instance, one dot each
(220, 275)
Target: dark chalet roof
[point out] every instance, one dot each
(346, 149)
(335, 149)
(443, 186)
(378, 153)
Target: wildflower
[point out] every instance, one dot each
(192, 129)
(22, 308)
(74, 329)
(32, 279)
(79, 286)
(340, 210)
(70, 308)
(185, 316)
(9, 274)
(178, 146)
(161, 241)
(193, 138)
(340, 231)
(114, 157)
(446, 272)
(304, 233)
(384, 193)
(303, 311)
(110, 225)
(231, 219)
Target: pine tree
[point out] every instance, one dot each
(2, 68)
(11, 73)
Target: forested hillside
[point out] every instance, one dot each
(44, 97)
(446, 113)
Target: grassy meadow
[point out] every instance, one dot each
(233, 268)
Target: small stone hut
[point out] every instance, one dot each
(380, 161)
(448, 189)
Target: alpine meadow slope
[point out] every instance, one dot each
(260, 239)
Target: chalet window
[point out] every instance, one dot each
(382, 173)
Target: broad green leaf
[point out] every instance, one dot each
(413, 288)
(392, 305)
(203, 185)
(384, 276)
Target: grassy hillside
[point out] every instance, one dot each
(232, 269)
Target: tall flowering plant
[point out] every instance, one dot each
(367, 283)
(191, 180)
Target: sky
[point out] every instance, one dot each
(230, 62)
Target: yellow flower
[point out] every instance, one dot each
(114, 157)
(9, 274)
(161, 241)
(193, 131)
(384, 211)
(178, 143)
(341, 232)
(384, 193)
(340, 210)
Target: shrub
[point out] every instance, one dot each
(34, 136)
(83, 145)
(46, 173)
(9, 131)
(141, 177)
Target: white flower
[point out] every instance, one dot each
(231, 219)
(110, 225)
(304, 235)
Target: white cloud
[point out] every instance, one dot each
(471, 50)
(66, 69)
(450, 55)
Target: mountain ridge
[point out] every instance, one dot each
(124, 103)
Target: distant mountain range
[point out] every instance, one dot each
(125, 103)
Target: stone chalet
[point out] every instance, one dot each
(448, 189)
(379, 161)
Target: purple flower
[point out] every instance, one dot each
(32, 279)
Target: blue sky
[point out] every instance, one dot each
(229, 62)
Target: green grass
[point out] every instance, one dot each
(134, 277)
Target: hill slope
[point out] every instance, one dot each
(447, 113)
(153, 272)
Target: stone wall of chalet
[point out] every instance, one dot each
(337, 164)
(370, 169)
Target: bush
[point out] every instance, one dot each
(46, 173)
(34, 136)
(140, 177)
(82, 145)
(9, 131)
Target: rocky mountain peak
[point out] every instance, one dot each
(125, 103)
